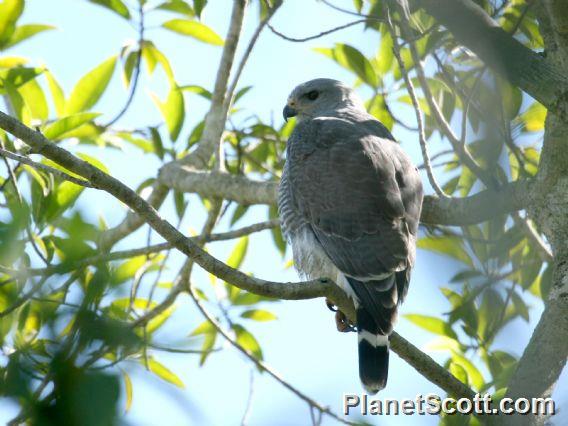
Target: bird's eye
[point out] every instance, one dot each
(313, 95)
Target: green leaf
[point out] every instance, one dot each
(459, 372)
(197, 90)
(92, 161)
(247, 341)
(116, 6)
(153, 56)
(127, 391)
(17, 102)
(24, 32)
(198, 6)
(58, 129)
(448, 245)
(12, 61)
(432, 324)
(533, 118)
(177, 6)
(474, 376)
(385, 57)
(164, 373)
(124, 303)
(353, 60)
(35, 100)
(16, 77)
(377, 107)
(259, 315)
(128, 269)
(238, 254)
(489, 315)
(128, 65)
(239, 212)
(204, 328)
(520, 306)
(173, 111)
(10, 11)
(241, 93)
(245, 298)
(64, 197)
(155, 323)
(465, 275)
(56, 93)
(180, 203)
(208, 344)
(90, 87)
(194, 29)
(157, 143)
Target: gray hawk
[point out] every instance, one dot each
(349, 202)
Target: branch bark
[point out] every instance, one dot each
(545, 356)
(456, 211)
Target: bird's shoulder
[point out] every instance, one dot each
(338, 126)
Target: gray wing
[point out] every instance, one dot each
(358, 191)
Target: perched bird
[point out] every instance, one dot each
(349, 202)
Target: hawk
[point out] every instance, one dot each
(349, 202)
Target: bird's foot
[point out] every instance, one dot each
(342, 323)
(330, 305)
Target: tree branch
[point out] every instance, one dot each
(456, 211)
(62, 175)
(315, 36)
(429, 368)
(217, 115)
(524, 68)
(212, 131)
(66, 267)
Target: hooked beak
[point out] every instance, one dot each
(289, 112)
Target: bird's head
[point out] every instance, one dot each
(320, 97)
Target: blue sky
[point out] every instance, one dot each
(302, 344)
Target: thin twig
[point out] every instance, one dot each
(316, 36)
(261, 364)
(421, 134)
(461, 150)
(60, 174)
(350, 12)
(233, 86)
(137, 68)
(21, 202)
(543, 250)
(246, 414)
(23, 299)
(180, 350)
(126, 254)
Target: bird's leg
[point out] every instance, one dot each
(341, 322)
(330, 305)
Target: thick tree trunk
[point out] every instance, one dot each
(545, 356)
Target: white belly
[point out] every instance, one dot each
(311, 261)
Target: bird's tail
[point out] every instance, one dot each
(373, 353)
(377, 305)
